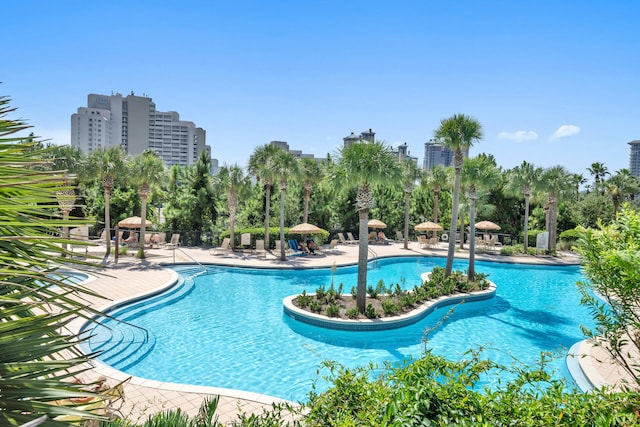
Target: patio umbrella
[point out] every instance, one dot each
(376, 223)
(428, 226)
(134, 222)
(306, 228)
(487, 225)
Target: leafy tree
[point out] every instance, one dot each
(107, 164)
(480, 172)
(231, 180)
(410, 174)
(261, 166)
(361, 166)
(458, 132)
(437, 179)
(555, 182)
(147, 171)
(523, 179)
(599, 172)
(610, 262)
(311, 173)
(621, 186)
(284, 167)
(37, 354)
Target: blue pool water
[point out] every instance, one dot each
(226, 327)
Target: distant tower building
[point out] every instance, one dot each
(295, 153)
(133, 123)
(404, 154)
(634, 158)
(436, 153)
(366, 136)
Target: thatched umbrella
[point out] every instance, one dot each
(305, 228)
(428, 226)
(487, 225)
(376, 223)
(133, 222)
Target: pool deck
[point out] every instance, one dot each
(131, 277)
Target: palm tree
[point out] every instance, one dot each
(478, 173)
(234, 183)
(261, 166)
(147, 170)
(458, 132)
(521, 180)
(438, 179)
(577, 179)
(38, 355)
(621, 186)
(285, 167)
(599, 171)
(556, 183)
(410, 173)
(311, 173)
(107, 164)
(361, 166)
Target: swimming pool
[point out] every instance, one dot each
(226, 328)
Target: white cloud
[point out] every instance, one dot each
(565, 131)
(519, 135)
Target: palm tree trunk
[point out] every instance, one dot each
(107, 219)
(407, 201)
(143, 224)
(307, 197)
(283, 257)
(462, 231)
(553, 219)
(232, 227)
(526, 224)
(454, 222)
(363, 258)
(267, 209)
(436, 200)
(471, 274)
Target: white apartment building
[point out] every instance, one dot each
(133, 123)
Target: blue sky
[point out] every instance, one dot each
(551, 82)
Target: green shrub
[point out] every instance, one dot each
(370, 312)
(320, 293)
(506, 250)
(315, 306)
(333, 310)
(353, 313)
(303, 299)
(389, 307)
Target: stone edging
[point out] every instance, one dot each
(400, 321)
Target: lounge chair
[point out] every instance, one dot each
(101, 239)
(175, 241)
(278, 244)
(352, 240)
(81, 236)
(224, 248)
(342, 239)
(399, 236)
(332, 246)
(260, 251)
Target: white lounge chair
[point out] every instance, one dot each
(352, 239)
(224, 248)
(175, 241)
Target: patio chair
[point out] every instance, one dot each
(433, 242)
(102, 238)
(81, 236)
(332, 246)
(399, 236)
(422, 241)
(224, 248)
(260, 251)
(175, 241)
(352, 240)
(342, 239)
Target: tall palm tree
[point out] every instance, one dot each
(285, 167)
(478, 173)
(261, 166)
(556, 183)
(107, 164)
(458, 132)
(437, 179)
(232, 180)
(147, 170)
(38, 356)
(311, 173)
(577, 179)
(361, 166)
(521, 180)
(599, 172)
(410, 174)
(621, 186)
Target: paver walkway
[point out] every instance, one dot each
(131, 278)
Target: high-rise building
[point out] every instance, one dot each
(133, 123)
(634, 158)
(436, 153)
(403, 153)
